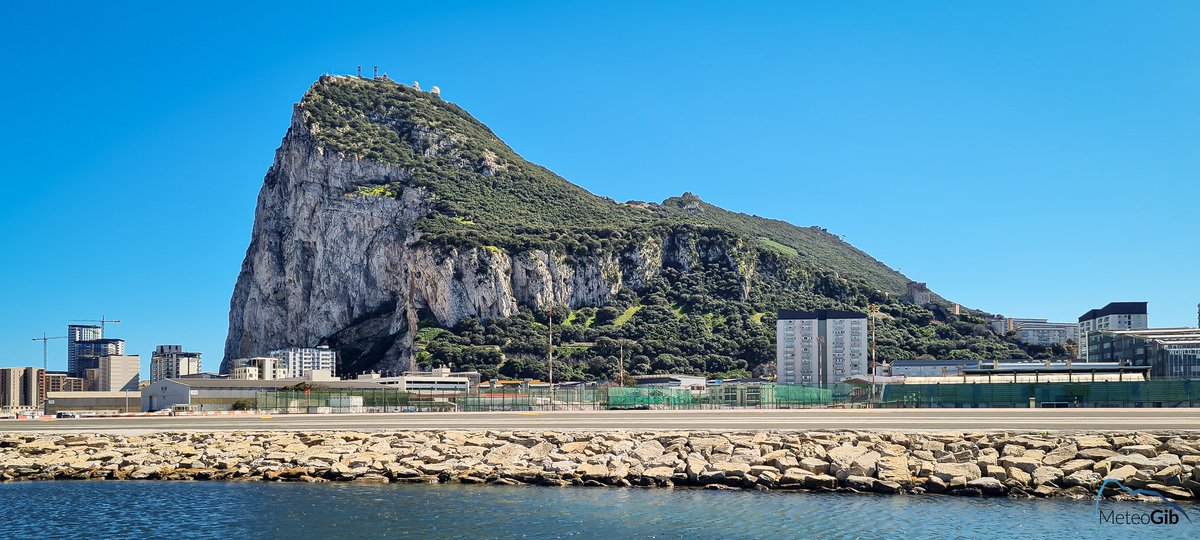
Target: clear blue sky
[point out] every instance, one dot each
(1029, 158)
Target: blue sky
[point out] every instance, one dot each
(1030, 158)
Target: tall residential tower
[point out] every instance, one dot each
(817, 348)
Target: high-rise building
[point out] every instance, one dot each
(21, 388)
(298, 361)
(818, 348)
(75, 334)
(172, 362)
(1114, 316)
(118, 373)
(89, 352)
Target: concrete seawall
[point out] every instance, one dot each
(1013, 464)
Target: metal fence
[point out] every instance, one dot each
(318, 400)
(1155, 393)
(728, 396)
(1158, 393)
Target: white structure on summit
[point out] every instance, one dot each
(435, 91)
(416, 85)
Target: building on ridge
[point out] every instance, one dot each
(918, 293)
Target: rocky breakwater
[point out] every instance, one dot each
(973, 464)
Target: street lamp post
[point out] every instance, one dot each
(550, 354)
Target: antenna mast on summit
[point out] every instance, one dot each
(375, 73)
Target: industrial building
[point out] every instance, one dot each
(1003, 371)
(93, 403)
(1167, 352)
(221, 394)
(819, 348)
(438, 379)
(1114, 316)
(671, 380)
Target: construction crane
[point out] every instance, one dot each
(101, 320)
(46, 363)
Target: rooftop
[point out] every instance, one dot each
(276, 383)
(1115, 308)
(820, 314)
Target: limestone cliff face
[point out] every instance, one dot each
(331, 262)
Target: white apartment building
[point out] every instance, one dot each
(818, 348)
(1114, 316)
(172, 362)
(259, 368)
(118, 373)
(298, 361)
(1037, 331)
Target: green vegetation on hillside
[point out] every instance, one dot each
(714, 318)
(716, 332)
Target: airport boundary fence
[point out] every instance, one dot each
(1158, 393)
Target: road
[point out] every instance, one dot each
(744, 419)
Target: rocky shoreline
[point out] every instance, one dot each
(1012, 464)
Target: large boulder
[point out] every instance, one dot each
(1046, 475)
(987, 486)
(893, 469)
(949, 471)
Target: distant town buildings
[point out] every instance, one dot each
(1114, 316)
(172, 362)
(1169, 352)
(117, 373)
(1037, 331)
(817, 348)
(298, 361)
(62, 382)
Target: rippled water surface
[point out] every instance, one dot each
(271, 510)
